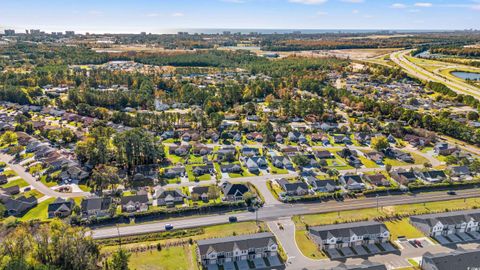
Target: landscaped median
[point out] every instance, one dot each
(394, 217)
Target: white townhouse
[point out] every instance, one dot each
(447, 223)
(349, 234)
(236, 248)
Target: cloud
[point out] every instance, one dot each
(322, 13)
(414, 10)
(367, 16)
(476, 7)
(152, 15)
(423, 4)
(398, 5)
(355, 11)
(178, 14)
(308, 2)
(353, 1)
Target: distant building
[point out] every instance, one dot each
(460, 260)
(9, 32)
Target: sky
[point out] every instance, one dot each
(167, 16)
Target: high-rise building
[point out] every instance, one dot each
(9, 32)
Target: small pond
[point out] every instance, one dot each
(466, 75)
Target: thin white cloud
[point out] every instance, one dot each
(398, 5)
(355, 11)
(353, 1)
(476, 7)
(367, 16)
(95, 12)
(178, 14)
(152, 15)
(308, 2)
(414, 10)
(322, 13)
(423, 4)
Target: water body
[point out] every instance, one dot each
(466, 75)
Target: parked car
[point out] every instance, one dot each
(232, 219)
(168, 227)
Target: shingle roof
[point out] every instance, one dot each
(460, 260)
(243, 242)
(348, 229)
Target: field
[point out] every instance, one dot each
(182, 256)
(39, 212)
(402, 228)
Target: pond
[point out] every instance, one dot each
(466, 75)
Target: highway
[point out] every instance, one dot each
(279, 211)
(463, 88)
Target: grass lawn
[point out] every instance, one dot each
(370, 213)
(368, 163)
(182, 257)
(17, 182)
(403, 228)
(419, 160)
(39, 212)
(394, 162)
(192, 178)
(275, 170)
(85, 188)
(34, 193)
(9, 173)
(307, 246)
(179, 257)
(43, 179)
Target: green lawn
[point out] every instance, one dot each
(40, 212)
(179, 257)
(43, 179)
(275, 170)
(307, 246)
(192, 177)
(368, 163)
(9, 173)
(17, 182)
(403, 228)
(34, 193)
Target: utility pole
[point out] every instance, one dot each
(377, 201)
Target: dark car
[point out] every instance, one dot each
(232, 219)
(451, 192)
(168, 227)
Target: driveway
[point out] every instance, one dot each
(37, 184)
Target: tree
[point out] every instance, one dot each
(379, 143)
(8, 137)
(120, 260)
(104, 176)
(300, 160)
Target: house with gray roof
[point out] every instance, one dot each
(256, 163)
(236, 248)
(166, 197)
(60, 208)
(234, 192)
(297, 188)
(458, 259)
(327, 185)
(135, 203)
(282, 162)
(349, 234)
(448, 223)
(96, 206)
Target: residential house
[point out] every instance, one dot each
(3, 179)
(18, 206)
(376, 157)
(201, 193)
(168, 197)
(362, 137)
(341, 139)
(403, 177)
(203, 169)
(135, 203)
(234, 192)
(250, 151)
(365, 265)
(378, 179)
(323, 185)
(460, 173)
(458, 259)
(236, 248)
(256, 163)
(323, 154)
(60, 208)
(444, 149)
(96, 206)
(231, 168)
(432, 176)
(282, 162)
(180, 150)
(349, 234)
(226, 154)
(201, 150)
(448, 223)
(397, 154)
(174, 172)
(297, 188)
(352, 182)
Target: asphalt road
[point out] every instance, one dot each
(413, 69)
(274, 212)
(47, 191)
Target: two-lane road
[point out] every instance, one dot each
(273, 212)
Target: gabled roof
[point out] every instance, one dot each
(234, 189)
(348, 229)
(458, 259)
(447, 218)
(241, 242)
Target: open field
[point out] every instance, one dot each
(180, 256)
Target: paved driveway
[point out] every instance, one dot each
(37, 184)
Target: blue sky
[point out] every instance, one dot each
(160, 16)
